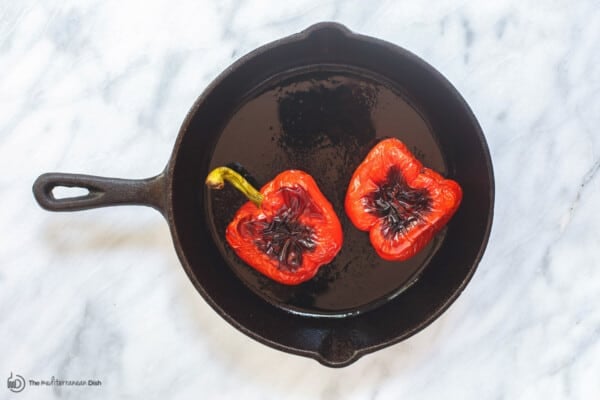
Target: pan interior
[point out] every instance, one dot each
(323, 120)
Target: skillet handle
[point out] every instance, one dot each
(103, 192)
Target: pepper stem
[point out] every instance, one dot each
(217, 177)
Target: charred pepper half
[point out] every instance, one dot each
(399, 201)
(287, 230)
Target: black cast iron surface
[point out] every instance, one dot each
(322, 120)
(316, 101)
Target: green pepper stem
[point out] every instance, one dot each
(217, 177)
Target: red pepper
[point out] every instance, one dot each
(287, 231)
(399, 201)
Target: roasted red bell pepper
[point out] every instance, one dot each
(287, 230)
(399, 201)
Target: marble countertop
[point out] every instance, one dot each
(102, 88)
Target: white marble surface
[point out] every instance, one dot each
(101, 87)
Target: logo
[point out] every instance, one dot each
(16, 384)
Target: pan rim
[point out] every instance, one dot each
(442, 307)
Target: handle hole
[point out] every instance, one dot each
(64, 192)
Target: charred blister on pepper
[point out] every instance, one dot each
(399, 206)
(284, 237)
(399, 201)
(287, 231)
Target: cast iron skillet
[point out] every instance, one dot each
(316, 101)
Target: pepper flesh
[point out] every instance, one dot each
(287, 233)
(401, 203)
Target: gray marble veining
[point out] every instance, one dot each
(102, 87)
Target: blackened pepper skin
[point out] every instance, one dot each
(283, 237)
(287, 231)
(398, 205)
(401, 203)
